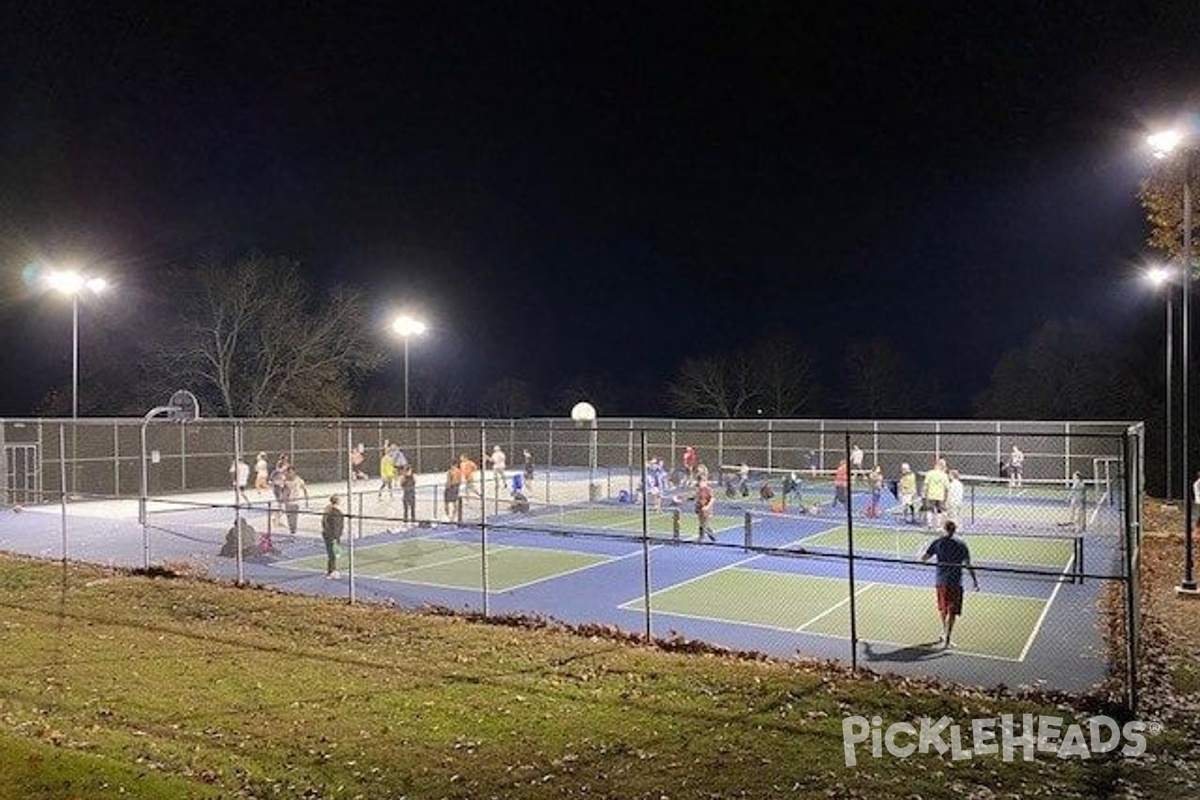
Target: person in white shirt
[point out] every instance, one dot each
(954, 497)
(499, 462)
(1016, 461)
(240, 471)
(856, 461)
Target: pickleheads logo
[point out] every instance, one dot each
(1004, 736)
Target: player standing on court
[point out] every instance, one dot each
(952, 555)
(261, 471)
(1016, 465)
(690, 460)
(467, 469)
(937, 485)
(705, 500)
(332, 524)
(907, 488)
(499, 462)
(408, 496)
(387, 473)
(450, 493)
(875, 487)
(528, 456)
(294, 486)
(240, 471)
(841, 484)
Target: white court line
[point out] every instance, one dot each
(710, 573)
(835, 607)
(908, 645)
(606, 560)
(473, 554)
(1045, 611)
(952, 651)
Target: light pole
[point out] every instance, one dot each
(1160, 276)
(73, 284)
(407, 327)
(1164, 144)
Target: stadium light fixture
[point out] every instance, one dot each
(1169, 144)
(73, 283)
(407, 327)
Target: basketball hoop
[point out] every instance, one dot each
(184, 407)
(584, 415)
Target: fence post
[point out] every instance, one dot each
(237, 503)
(1132, 564)
(850, 548)
(62, 477)
(645, 537)
(483, 479)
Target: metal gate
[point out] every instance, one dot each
(22, 475)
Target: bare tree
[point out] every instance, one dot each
(508, 399)
(584, 388)
(717, 386)
(874, 385)
(784, 377)
(255, 338)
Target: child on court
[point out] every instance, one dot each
(387, 473)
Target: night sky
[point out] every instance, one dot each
(599, 188)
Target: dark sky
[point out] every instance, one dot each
(570, 187)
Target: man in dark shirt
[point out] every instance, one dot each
(952, 555)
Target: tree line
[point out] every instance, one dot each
(255, 338)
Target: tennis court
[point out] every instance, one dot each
(776, 581)
(447, 563)
(765, 592)
(519, 553)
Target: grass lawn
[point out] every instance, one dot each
(114, 685)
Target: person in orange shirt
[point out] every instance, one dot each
(468, 468)
(841, 484)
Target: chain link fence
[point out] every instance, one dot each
(820, 542)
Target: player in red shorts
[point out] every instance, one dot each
(952, 555)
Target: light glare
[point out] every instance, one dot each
(1164, 142)
(1158, 275)
(72, 282)
(408, 326)
(67, 282)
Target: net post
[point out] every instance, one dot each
(675, 523)
(1079, 558)
(458, 511)
(746, 530)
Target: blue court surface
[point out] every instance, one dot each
(774, 582)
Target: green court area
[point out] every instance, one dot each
(457, 565)
(1050, 552)
(1023, 512)
(621, 519)
(992, 626)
